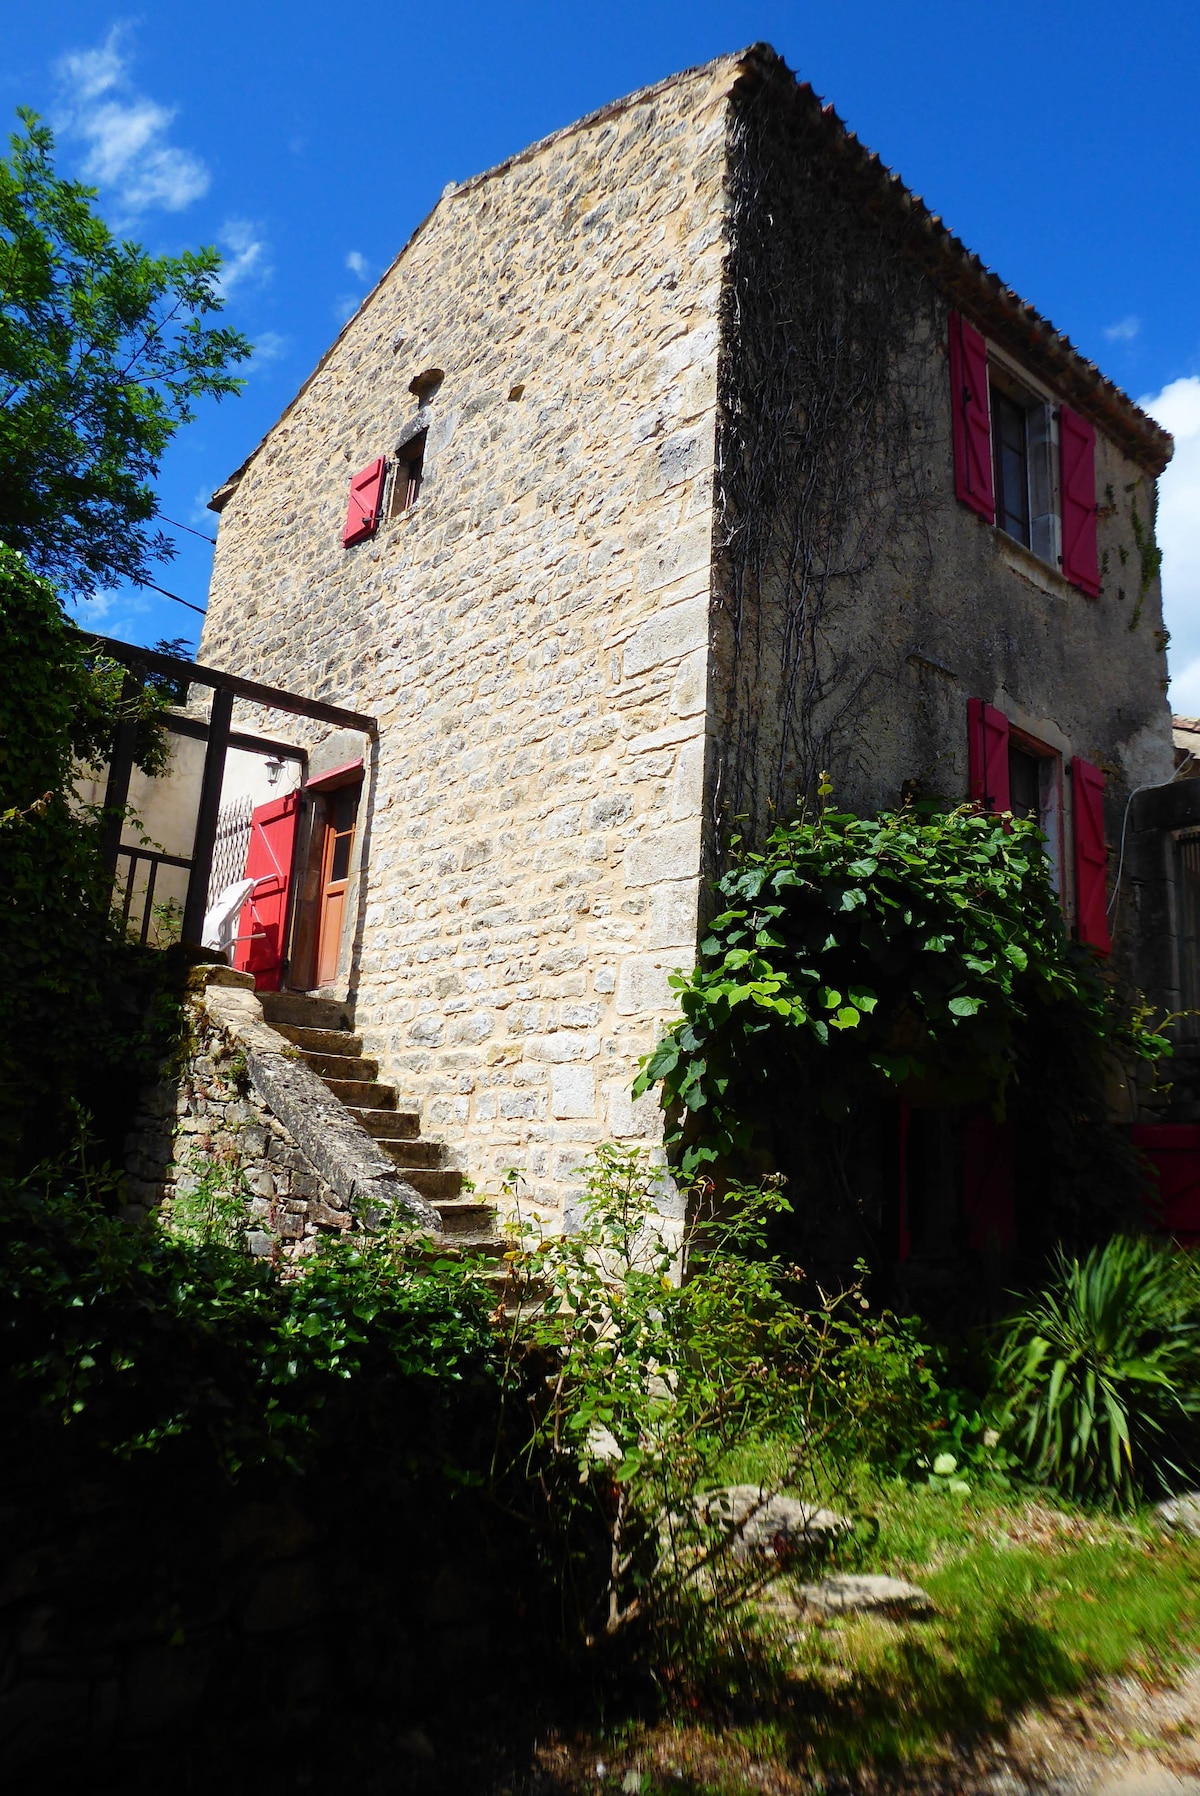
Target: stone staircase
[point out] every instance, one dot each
(323, 1031)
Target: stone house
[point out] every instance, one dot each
(679, 457)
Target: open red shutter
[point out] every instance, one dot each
(1077, 447)
(366, 498)
(972, 418)
(987, 755)
(1091, 856)
(262, 928)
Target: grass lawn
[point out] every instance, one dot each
(1032, 1602)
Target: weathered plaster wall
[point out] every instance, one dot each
(532, 634)
(928, 606)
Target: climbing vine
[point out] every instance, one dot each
(825, 409)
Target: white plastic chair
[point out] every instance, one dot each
(221, 920)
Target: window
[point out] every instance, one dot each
(406, 481)
(1022, 430)
(1010, 771)
(1022, 462)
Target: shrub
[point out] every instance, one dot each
(672, 1352)
(1100, 1375)
(855, 956)
(117, 1339)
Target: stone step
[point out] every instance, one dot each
(467, 1215)
(320, 1041)
(407, 1152)
(387, 1125)
(342, 1066)
(437, 1184)
(363, 1094)
(306, 1011)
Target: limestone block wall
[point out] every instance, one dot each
(532, 634)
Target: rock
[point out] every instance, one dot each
(870, 1593)
(766, 1523)
(1181, 1514)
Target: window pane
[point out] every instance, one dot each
(1012, 466)
(341, 856)
(1025, 785)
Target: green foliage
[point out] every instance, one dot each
(856, 953)
(209, 1205)
(104, 351)
(668, 1355)
(1100, 1374)
(73, 993)
(1149, 553)
(131, 1337)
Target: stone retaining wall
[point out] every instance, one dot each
(239, 1115)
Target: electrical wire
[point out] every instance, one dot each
(172, 595)
(1153, 786)
(176, 525)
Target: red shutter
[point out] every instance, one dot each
(1091, 856)
(989, 1207)
(263, 923)
(1077, 448)
(1173, 1150)
(972, 418)
(987, 755)
(366, 497)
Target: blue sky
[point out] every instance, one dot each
(1062, 143)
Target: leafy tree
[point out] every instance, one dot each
(104, 351)
(70, 1012)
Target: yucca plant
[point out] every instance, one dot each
(1099, 1377)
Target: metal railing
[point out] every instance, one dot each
(155, 859)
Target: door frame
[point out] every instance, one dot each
(304, 925)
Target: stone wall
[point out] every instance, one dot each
(240, 1135)
(575, 703)
(532, 634)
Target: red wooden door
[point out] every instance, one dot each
(263, 924)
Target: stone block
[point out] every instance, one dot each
(572, 1091)
(672, 918)
(642, 986)
(670, 851)
(675, 631)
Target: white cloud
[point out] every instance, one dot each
(1124, 330)
(246, 255)
(126, 132)
(271, 346)
(345, 306)
(356, 262)
(1177, 408)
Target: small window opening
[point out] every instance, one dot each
(1035, 793)
(406, 482)
(1010, 446)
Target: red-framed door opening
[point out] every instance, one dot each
(262, 930)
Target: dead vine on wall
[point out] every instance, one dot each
(827, 392)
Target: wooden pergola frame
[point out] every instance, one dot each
(219, 736)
